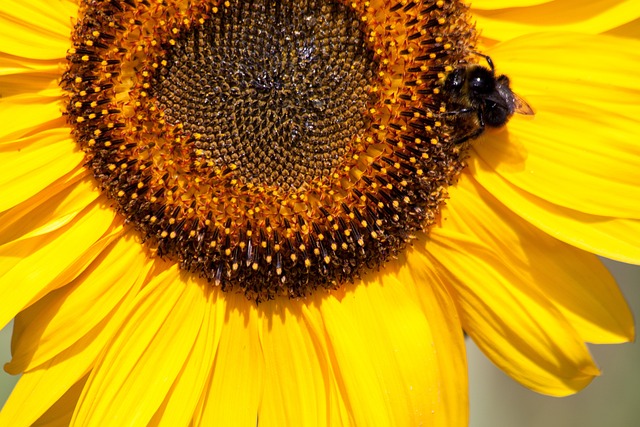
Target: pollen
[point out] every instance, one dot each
(273, 148)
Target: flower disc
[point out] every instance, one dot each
(273, 148)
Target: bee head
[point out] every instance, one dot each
(481, 80)
(472, 81)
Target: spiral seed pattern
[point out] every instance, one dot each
(273, 148)
(278, 89)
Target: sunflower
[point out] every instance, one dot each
(230, 213)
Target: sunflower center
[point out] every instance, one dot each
(273, 148)
(278, 89)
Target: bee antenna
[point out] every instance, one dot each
(486, 58)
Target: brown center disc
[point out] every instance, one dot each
(273, 148)
(278, 89)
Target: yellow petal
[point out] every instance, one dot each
(59, 415)
(386, 351)
(39, 390)
(295, 391)
(514, 329)
(338, 414)
(183, 397)
(131, 379)
(591, 17)
(575, 281)
(23, 115)
(44, 410)
(609, 237)
(52, 381)
(29, 169)
(630, 29)
(567, 77)
(21, 76)
(31, 268)
(52, 208)
(434, 297)
(236, 383)
(502, 305)
(36, 29)
(571, 157)
(62, 317)
(10, 64)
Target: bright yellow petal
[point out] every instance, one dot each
(50, 382)
(385, 352)
(157, 336)
(434, 297)
(599, 71)
(630, 29)
(338, 414)
(236, 383)
(39, 390)
(514, 329)
(295, 391)
(52, 208)
(10, 64)
(183, 397)
(37, 28)
(59, 415)
(609, 237)
(571, 157)
(504, 308)
(579, 150)
(575, 281)
(32, 268)
(62, 317)
(20, 75)
(24, 115)
(591, 17)
(30, 164)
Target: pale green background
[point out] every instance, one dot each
(612, 400)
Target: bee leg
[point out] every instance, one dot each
(473, 135)
(486, 58)
(476, 133)
(465, 110)
(481, 118)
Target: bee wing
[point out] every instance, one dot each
(521, 106)
(509, 99)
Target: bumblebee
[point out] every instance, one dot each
(477, 98)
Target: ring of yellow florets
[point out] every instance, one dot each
(263, 239)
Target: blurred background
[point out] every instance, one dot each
(611, 400)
